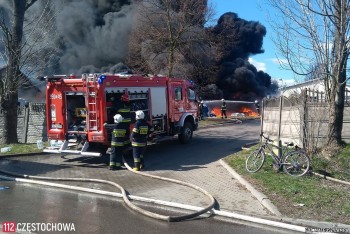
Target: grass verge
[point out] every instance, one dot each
(307, 197)
(21, 149)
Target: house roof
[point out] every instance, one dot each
(303, 84)
(308, 83)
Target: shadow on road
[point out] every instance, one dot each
(208, 145)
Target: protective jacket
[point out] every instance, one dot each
(140, 132)
(120, 134)
(223, 106)
(125, 112)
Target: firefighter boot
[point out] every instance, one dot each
(137, 166)
(142, 163)
(112, 166)
(118, 166)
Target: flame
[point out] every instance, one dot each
(245, 110)
(216, 111)
(248, 112)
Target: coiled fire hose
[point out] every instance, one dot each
(125, 196)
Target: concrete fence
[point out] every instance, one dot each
(31, 123)
(302, 119)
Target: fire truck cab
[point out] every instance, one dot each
(77, 108)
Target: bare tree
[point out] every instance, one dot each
(23, 55)
(317, 32)
(169, 36)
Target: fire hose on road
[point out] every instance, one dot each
(124, 194)
(197, 211)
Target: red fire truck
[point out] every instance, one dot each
(77, 108)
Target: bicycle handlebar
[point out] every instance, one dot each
(267, 138)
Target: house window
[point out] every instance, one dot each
(178, 93)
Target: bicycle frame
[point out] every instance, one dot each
(269, 148)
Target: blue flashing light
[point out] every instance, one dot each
(101, 78)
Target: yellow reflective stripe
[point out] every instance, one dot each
(119, 132)
(117, 144)
(112, 164)
(137, 160)
(124, 110)
(135, 130)
(138, 144)
(126, 120)
(143, 130)
(118, 164)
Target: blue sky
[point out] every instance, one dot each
(250, 10)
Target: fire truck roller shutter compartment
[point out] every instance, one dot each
(76, 111)
(113, 102)
(157, 111)
(139, 100)
(159, 108)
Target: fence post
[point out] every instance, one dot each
(280, 126)
(303, 120)
(262, 118)
(26, 122)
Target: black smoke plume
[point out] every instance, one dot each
(236, 39)
(91, 35)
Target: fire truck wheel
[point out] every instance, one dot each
(185, 135)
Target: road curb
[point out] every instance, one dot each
(263, 199)
(23, 154)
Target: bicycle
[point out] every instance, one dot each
(294, 162)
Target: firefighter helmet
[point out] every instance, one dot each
(222, 100)
(118, 118)
(139, 114)
(125, 98)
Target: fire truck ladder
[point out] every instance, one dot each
(91, 103)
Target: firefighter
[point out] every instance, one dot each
(200, 110)
(257, 106)
(120, 138)
(139, 136)
(223, 109)
(124, 110)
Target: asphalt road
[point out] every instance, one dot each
(195, 162)
(23, 203)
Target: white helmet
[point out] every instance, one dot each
(118, 118)
(222, 100)
(139, 114)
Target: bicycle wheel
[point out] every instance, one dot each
(255, 161)
(296, 163)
